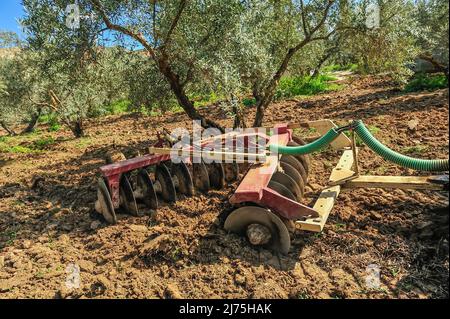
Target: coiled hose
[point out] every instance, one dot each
(438, 165)
(318, 144)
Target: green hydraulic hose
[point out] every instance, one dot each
(365, 135)
(318, 144)
(397, 158)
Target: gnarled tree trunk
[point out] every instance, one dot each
(9, 130)
(33, 121)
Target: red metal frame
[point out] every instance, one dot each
(252, 188)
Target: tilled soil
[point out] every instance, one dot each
(48, 225)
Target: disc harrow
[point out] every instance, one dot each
(153, 179)
(268, 199)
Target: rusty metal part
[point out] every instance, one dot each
(216, 175)
(289, 183)
(200, 177)
(162, 175)
(146, 189)
(127, 199)
(231, 171)
(184, 183)
(294, 174)
(240, 219)
(282, 190)
(295, 163)
(104, 205)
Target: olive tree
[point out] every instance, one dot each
(432, 38)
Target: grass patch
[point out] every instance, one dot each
(205, 100)
(83, 142)
(417, 149)
(26, 143)
(42, 143)
(426, 82)
(291, 86)
(16, 149)
(118, 107)
(51, 120)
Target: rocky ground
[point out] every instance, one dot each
(48, 225)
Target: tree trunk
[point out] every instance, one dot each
(32, 123)
(324, 58)
(239, 118)
(180, 93)
(7, 129)
(264, 99)
(439, 67)
(77, 128)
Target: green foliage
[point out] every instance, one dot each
(218, 51)
(34, 142)
(249, 101)
(15, 149)
(428, 82)
(201, 100)
(119, 107)
(51, 119)
(42, 143)
(290, 86)
(340, 67)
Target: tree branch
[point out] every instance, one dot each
(304, 22)
(174, 23)
(137, 36)
(324, 17)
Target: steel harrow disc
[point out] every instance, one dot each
(216, 175)
(127, 199)
(307, 157)
(162, 175)
(231, 171)
(184, 183)
(200, 177)
(293, 173)
(245, 219)
(295, 163)
(289, 183)
(282, 190)
(104, 205)
(147, 189)
(304, 159)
